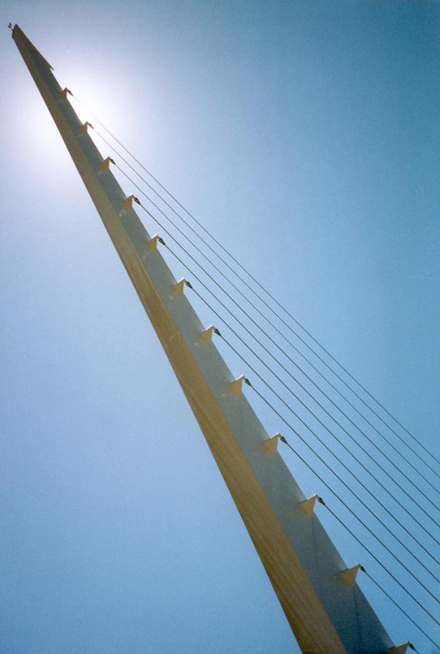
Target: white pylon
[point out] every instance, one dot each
(303, 565)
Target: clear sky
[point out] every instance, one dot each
(305, 136)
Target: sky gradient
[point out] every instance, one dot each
(305, 136)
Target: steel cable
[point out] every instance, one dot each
(408, 479)
(227, 309)
(369, 575)
(273, 299)
(432, 486)
(317, 455)
(417, 488)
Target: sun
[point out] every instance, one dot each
(39, 135)
(96, 104)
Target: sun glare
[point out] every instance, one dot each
(98, 97)
(41, 139)
(99, 105)
(40, 134)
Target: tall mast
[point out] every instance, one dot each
(323, 604)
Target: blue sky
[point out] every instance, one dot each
(305, 136)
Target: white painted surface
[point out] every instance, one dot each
(325, 614)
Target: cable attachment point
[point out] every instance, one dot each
(348, 576)
(85, 127)
(128, 202)
(399, 649)
(283, 440)
(105, 165)
(361, 568)
(152, 243)
(206, 335)
(321, 501)
(411, 646)
(179, 287)
(160, 239)
(236, 385)
(246, 381)
(308, 506)
(188, 284)
(66, 92)
(270, 445)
